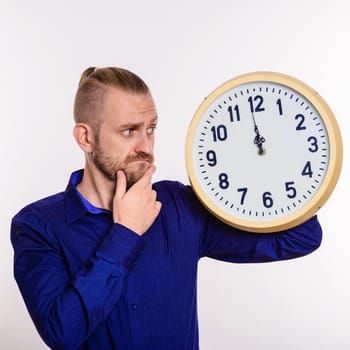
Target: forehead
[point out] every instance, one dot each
(124, 106)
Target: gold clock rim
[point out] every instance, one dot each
(333, 170)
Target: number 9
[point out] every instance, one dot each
(211, 157)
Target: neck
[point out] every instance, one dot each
(96, 188)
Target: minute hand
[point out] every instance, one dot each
(259, 139)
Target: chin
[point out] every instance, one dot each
(133, 175)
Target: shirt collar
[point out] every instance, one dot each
(76, 205)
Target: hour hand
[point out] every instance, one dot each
(259, 139)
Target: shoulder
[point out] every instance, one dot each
(175, 195)
(42, 208)
(174, 190)
(166, 185)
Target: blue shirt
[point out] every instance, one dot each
(89, 283)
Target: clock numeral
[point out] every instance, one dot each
(291, 189)
(219, 133)
(307, 171)
(279, 104)
(301, 119)
(267, 199)
(234, 113)
(223, 181)
(211, 157)
(256, 103)
(244, 191)
(314, 146)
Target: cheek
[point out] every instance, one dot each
(116, 149)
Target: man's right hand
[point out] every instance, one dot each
(136, 208)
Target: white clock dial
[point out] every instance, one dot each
(259, 153)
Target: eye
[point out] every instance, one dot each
(127, 132)
(151, 130)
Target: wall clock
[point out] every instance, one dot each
(263, 152)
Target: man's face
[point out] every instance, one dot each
(126, 137)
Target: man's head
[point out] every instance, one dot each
(93, 86)
(115, 120)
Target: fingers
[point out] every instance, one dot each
(138, 207)
(121, 184)
(153, 195)
(146, 180)
(158, 207)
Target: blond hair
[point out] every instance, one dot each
(93, 86)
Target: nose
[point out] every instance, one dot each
(145, 143)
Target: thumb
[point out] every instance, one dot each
(121, 184)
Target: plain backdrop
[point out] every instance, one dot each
(183, 50)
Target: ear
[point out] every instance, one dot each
(84, 137)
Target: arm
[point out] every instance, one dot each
(226, 243)
(68, 303)
(229, 244)
(67, 309)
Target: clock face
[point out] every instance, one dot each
(260, 152)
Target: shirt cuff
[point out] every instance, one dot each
(121, 246)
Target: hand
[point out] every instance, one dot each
(259, 139)
(136, 208)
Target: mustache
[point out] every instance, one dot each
(140, 156)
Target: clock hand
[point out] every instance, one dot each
(259, 139)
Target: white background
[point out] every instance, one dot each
(183, 50)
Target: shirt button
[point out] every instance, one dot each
(134, 306)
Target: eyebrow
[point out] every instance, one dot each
(136, 125)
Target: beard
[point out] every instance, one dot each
(109, 166)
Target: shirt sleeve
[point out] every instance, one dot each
(67, 310)
(228, 244)
(223, 242)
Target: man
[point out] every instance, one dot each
(111, 262)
